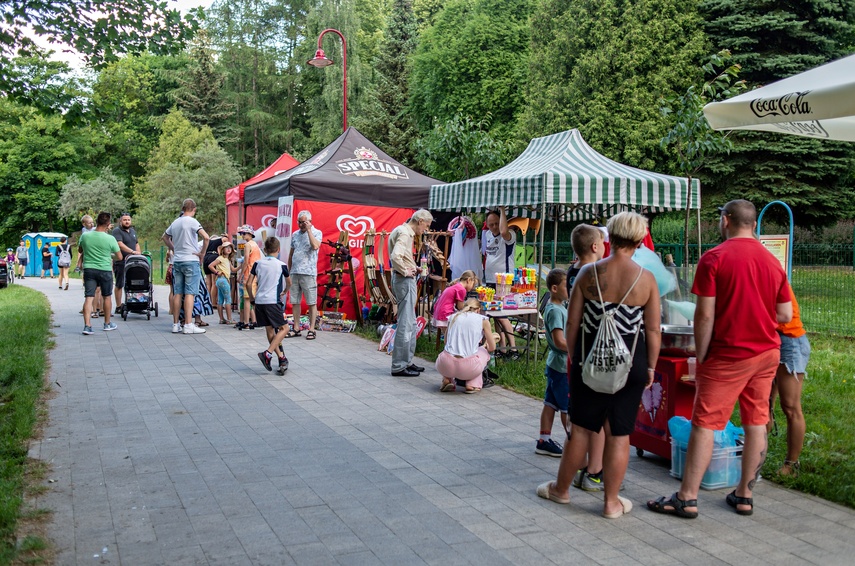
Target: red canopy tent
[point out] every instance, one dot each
(349, 185)
(258, 215)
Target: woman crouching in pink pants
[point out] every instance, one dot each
(463, 358)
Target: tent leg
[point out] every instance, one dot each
(554, 237)
(700, 247)
(539, 268)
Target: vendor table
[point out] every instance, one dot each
(530, 317)
(669, 396)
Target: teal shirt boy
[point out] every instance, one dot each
(555, 316)
(98, 248)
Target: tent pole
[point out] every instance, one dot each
(539, 268)
(554, 236)
(700, 249)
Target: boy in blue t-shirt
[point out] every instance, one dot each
(557, 397)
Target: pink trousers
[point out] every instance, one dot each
(468, 369)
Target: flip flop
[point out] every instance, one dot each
(626, 507)
(473, 390)
(733, 500)
(677, 506)
(543, 491)
(447, 387)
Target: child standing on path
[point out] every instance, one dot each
(589, 246)
(270, 273)
(557, 394)
(222, 268)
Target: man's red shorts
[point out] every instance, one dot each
(719, 383)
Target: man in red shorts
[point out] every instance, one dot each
(742, 296)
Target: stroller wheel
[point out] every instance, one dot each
(155, 310)
(148, 316)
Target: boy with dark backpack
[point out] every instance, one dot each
(273, 282)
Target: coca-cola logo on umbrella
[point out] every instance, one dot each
(356, 226)
(792, 104)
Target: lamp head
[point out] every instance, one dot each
(320, 59)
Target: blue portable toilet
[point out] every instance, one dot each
(35, 241)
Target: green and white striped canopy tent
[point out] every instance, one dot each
(562, 169)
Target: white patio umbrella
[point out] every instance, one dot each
(819, 103)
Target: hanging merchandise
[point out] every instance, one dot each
(465, 251)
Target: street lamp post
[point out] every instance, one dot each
(320, 60)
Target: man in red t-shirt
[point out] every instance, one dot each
(742, 297)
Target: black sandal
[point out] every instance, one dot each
(733, 500)
(293, 334)
(678, 506)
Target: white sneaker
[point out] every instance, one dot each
(176, 328)
(193, 329)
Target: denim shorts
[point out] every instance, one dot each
(557, 390)
(224, 291)
(795, 353)
(186, 277)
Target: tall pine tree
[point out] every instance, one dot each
(771, 40)
(391, 125)
(199, 95)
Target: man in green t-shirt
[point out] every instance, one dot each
(98, 249)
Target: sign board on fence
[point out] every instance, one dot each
(779, 245)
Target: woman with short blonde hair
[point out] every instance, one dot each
(619, 286)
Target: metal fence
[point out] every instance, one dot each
(823, 280)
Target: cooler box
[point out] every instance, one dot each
(725, 468)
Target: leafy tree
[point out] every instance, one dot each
(101, 30)
(49, 86)
(37, 154)
(187, 163)
(104, 192)
(255, 41)
(602, 67)
(178, 140)
(124, 109)
(691, 137)
(208, 172)
(392, 125)
(772, 40)
(472, 60)
(461, 148)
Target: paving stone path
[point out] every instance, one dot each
(173, 449)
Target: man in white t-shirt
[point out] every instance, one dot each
(182, 237)
(499, 245)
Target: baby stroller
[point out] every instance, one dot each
(139, 292)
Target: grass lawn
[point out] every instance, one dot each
(25, 335)
(828, 399)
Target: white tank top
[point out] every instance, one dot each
(465, 331)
